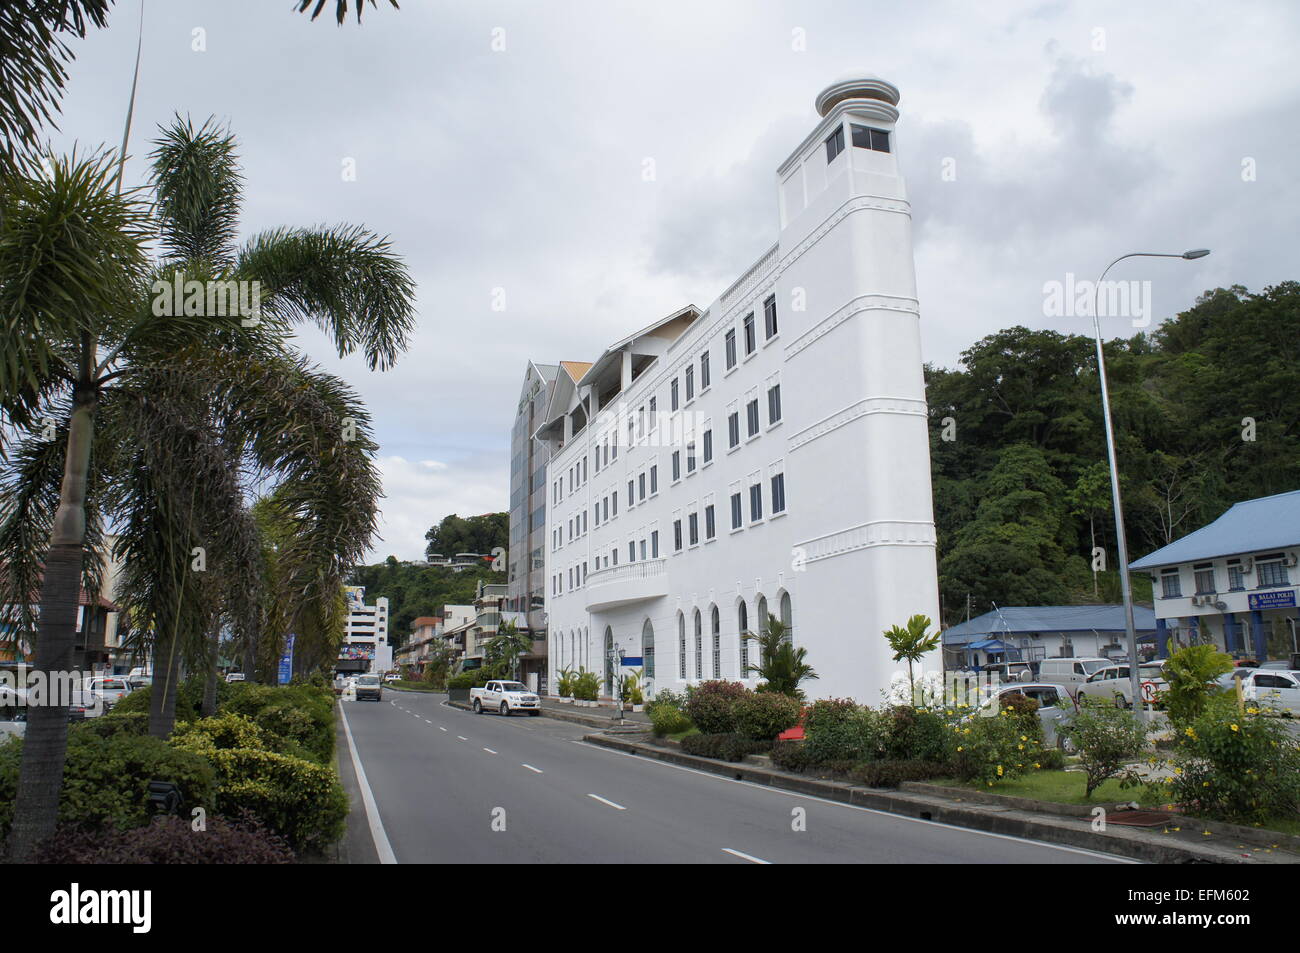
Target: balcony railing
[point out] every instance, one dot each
(630, 582)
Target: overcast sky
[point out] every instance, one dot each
(1077, 132)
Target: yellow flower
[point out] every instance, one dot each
(999, 770)
(959, 747)
(1037, 765)
(1024, 738)
(1234, 727)
(1021, 747)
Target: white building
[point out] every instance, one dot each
(767, 454)
(1233, 583)
(365, 645)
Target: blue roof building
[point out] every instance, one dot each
(1233, 582)
(1031, 633)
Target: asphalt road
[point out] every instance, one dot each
(448, 786)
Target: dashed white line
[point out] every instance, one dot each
(427, 721)
(531, 768)
(440, 728)
(489, 751)
(462, 738)
(743, 856)
(617, 807)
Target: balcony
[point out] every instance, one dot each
(625, 584)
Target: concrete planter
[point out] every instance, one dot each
(458, 695)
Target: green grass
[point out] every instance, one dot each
(679, 735)
(414, 686)
(1060, 787)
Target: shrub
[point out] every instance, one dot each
(916, 734)
(1052, 759)
(764, 715)
(586, 686)
(226, 730)
(115, 722)
(301, 801)
(891, 772)
(106, 779)
(725, 746)
(1191, 674)
(991, 749)
(301, 714)
(1236, 766)
(665, 720)
(565, 686)
(710, 705)
(166, 840)
(1105, 737)
(790, 756)
(838, 729)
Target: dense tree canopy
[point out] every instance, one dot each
(415, 591)
(474, 534)
(1207, 413)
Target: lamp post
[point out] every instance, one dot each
(1121, 541)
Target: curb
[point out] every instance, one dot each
(605, 724)
(1065, 830)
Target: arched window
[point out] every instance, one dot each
(715, 620)
(699, 647)
(761, 621)
(648, 649)
(742, 628)
(786, 618)
(609, 661)
(681, 647)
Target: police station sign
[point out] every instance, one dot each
(1274, 599)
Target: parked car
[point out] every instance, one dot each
(234, 677)
(505, 697)
(139, 681)
(1009, 671)
(1113, 684)
(392, 677)
(1054, 707)
(1273, 690)
(369, 688)
(1229, 679)
(112, 688)
(1070, 672)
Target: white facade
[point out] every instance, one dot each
(797, 397)
(365, 637)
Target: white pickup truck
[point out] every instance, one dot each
(505, 697)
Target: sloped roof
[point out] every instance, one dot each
(1017, 620)
(1269, 522)
(576, 369)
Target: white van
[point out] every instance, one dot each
(1070, 672)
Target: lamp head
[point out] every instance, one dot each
(1196, 253)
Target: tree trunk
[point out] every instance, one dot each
(45, 746)
(166, 682)
(210, 683)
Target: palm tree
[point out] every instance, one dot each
(781, 666)
(503, 649)
(179, 413)
(340, 8)
(911, 643)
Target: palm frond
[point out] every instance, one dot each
(199, 188)
(340, 8)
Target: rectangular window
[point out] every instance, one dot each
(751, 416)
(708, 446)
(710, 527)
(1170, 586)
(654, 544)
(693, 521)
(673, 390)
(1204, 575)
(690, 381)
(733, 430)
(654, 415)
(631, 551)
(677, 465)
(654, 479)
(640, 485)
(731, 348)
(778, 493)
(756, 502)
(834, 144)
(864, 137)
(613, 498)
(631, 492)
(1236, 578)
(750, 340)
(769, 316)
(643, 549)
(737, 515)
(1272, 574)
(690, 457)
(773, 404)
(704, 371)
(677, 535)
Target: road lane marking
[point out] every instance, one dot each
(440, 728)
(531, 768)
(489, 751)
(1112, 858)
(617, 807)
(377, 833)
(744, 856)
(427, 721)
(462, 738)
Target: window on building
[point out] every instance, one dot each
(613, 499)
(742, 629)
(756, 502)
(693, 527)
(654, 479)
(733, 429)
(1170, 585)
(710, 529)
(677, 465)
(1271, 572)
(643, 550)
(704, 371)
(769, 316)
(690, 457)
(834, 144)
(737, 514)
(1204, 575)
(773, 404)
(778, 493)
(631, 551)
(677, 535)
(751, 341)
(715, 623)
(1236, 576)
(654, 544)
(654, 414)
(690, 381)
(681, 646)
(640, 485)
(708, 446)
(631, 492)
(699, 646)
(865, 137)
(675, 401)
(751, 416)
(730, 340)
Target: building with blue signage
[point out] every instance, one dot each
(1033, 633)
(1232, 583)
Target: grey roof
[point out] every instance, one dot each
(1023, 620)
(1270, 522)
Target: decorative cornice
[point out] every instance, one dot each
(861, 408)
(872, 302)
(875, 533)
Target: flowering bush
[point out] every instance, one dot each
(928, 690)
(1106, 738)
(1235, 766)
(710, 705)
(665, 713)
(994, 749)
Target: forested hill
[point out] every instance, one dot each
(1207, 413)
(415, 591)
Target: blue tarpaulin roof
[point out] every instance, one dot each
(1270, 522)
(1025, 620)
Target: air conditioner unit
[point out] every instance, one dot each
(1221, 605)
(1247, 563)
(1289, 560)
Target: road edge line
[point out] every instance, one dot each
(377, 834)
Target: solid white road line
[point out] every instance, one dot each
(617, 807)
(377, 834)
(743, 856)
(489, 751)
(531, 768)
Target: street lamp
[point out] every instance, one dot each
(1120, 539)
